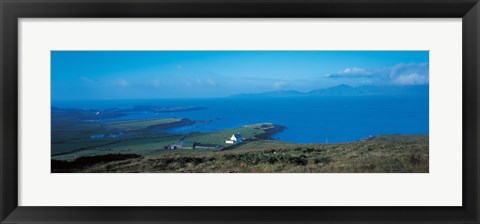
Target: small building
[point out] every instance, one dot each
(236, 138)
(176, 145)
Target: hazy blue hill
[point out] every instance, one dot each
(279, 93)
(371, 89)
(345, 90)
(341, 90)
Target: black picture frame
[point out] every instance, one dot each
(12, 10)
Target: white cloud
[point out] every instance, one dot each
(400, 74)
(121, 82)
(356, 71)
(366, 82)
(410, 74)
(87, 80)
(211, 82)
(411, 79)
(198, 82)
(157, 83)
(279, 85)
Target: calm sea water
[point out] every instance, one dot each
(308, 120)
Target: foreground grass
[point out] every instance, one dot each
(384, 154)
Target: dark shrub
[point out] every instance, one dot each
(272, 160)
(324, 160)
(307, 150)
(60, 166)
(414, 159)
(298, 160)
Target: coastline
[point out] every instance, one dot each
(270, 132)
(163, 127)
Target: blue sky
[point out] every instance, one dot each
(86, 75)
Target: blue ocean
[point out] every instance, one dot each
(308, 119)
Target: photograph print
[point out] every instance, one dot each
(232, 111)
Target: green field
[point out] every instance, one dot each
(74, 144)
(79, 144)
(75, 131)
(74, 140)
(143, 144)
(140, 124)
(218, 137)
(84, 126)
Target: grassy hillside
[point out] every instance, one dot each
(79, 139)
(141, 124)
(383, 154)
(72, 145)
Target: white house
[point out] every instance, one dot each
(236, 138)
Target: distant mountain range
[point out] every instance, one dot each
(345, 90)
